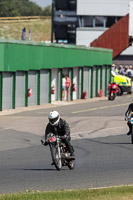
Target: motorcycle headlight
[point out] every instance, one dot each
(114, 87)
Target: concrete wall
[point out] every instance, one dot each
(84, 36)
(103, 7)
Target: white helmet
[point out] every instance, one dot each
(53, 117)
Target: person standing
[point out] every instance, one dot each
(68, 86)
(63, 87)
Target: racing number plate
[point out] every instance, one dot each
(131, 120)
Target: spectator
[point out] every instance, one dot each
(113, 67)
(116, 69)
(120, 70)
(129, 72)
(131, 67)
(63, 87)
(125, 71)
(68, 86)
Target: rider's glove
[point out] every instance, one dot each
(63, 137)
(44, 143)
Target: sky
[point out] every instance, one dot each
(42, 3)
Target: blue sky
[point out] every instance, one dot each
(42, 3)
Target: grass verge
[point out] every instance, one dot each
(112, 193)
(40, 30)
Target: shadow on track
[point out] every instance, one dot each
(117, 144)
(42, 169)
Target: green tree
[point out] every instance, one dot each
(11, 8)
(47, 11)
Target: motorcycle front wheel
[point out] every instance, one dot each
(55, 157)
(112, 96)
(71, 164)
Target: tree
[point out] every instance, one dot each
(11, 8)
(47, 11)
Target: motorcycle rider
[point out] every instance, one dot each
(112, 91)
(111, 86)
(127, 113)
(59, 126)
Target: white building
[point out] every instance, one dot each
(80, 22)
(96, 16)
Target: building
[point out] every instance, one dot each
(81, 22)
(31, 73)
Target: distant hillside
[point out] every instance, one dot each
(12, 28)
(13, 8)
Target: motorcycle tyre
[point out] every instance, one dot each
(109, 97)
(112, 97)
(71, 165)
(120, 92)
(57, 163)
(132, 135)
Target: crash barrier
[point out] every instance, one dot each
(23, 18)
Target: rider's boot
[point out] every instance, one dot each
(130, 128)
(129, 133)
(70, 149)
(72, 156)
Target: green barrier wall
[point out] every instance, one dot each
(23, 56)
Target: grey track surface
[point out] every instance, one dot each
(103, 151)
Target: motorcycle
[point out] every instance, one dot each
(59, 152)
(112, 91)
(129, 118)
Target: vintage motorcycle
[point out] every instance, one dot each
(59, 152)
(112, 91)
(129, 118)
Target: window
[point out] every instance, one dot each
(88, 21)
(99, 21)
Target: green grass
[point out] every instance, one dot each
(112, 193)
(40, 30)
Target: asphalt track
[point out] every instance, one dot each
(104, 153)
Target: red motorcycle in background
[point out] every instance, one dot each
(112, 91)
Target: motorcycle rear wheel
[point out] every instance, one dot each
(71, 164)
(55, 157)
